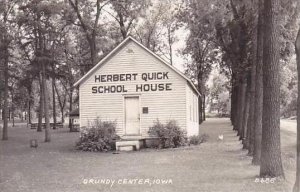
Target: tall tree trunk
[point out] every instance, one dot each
(5, 97)
(46, 105)
(1, 107)
(258, 105)
(53, 103)
(92, 45)
(200, 110)
(297, 183)
(12, 108)
(62, 115)
(232, 99)
(170, 45)
(29, 112)
(71, 108)
(13, 117)
(122, 24)
(203, 107)
(271, 164)
(200, 103)
(242, 105)
(237, 107)
(250, 133)
(233, 109)
(61, 104)
(246, 115)
(41, 107)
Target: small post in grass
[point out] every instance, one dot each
(33, 143)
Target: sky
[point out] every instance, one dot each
(178, 59)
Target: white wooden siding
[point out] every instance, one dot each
(192, 119)
(162, 105)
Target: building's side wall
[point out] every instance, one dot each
(162, 105)
(192, 108)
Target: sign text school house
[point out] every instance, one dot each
(135, 87)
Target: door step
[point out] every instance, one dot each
(129, 145)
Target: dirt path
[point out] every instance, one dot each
(288, 148)
(288, 125)
(213, 166)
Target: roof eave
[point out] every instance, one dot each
(149, 51)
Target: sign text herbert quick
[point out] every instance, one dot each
(145, 87)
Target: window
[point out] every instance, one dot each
(145, 110)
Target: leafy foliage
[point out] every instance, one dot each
(100, 136)
(218, 94)
(198, 139)
(288, 89)
(170, 135)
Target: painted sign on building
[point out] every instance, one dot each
(105, 80)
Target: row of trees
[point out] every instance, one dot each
(253, 43)
(263, 47)
(256, 77)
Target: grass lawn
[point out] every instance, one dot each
(212, 166)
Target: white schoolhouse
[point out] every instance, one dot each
(135, 87)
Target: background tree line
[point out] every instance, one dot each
(47, 45)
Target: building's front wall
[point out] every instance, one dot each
(162, 104)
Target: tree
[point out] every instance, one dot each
(249, 135)
(89, 24)
(234, 37)
(156, 28)
(26, 82)
(127, 13)
(62, 99)
(271, 164)
(218, 96)
(68, 73)
(53, 97)
(5, 55)
(38, 24)
(200, 44)
(297, 183)
(41, 105)
(258, 105)
(6, 11)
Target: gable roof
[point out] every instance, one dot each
(115, 50)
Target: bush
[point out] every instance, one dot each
(170, 134)
(101, 136)
(198, 139)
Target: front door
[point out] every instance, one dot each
(132, 116)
